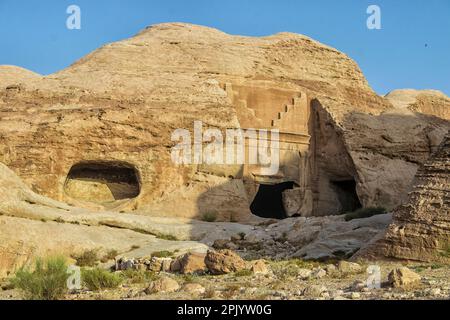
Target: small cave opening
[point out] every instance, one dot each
(102, 182)
(268, 202)
(347, 196)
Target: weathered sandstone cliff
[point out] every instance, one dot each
(420, 228)
(98, 134)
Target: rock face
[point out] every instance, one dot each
(98, 134)
(330, 237)
(420, 229)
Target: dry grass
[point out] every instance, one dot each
(88, 258)
(110, 255)
(364, 213)
(209, 217)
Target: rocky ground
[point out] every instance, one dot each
(285, 280)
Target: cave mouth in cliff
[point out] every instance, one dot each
(347, 195)
(268, 202)
(102, 182)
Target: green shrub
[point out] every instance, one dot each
(139, 276)
(418, 269)
(209, 217)
(162, 254)
(48, 280)
(364, 213)
(243, 273)
(166, 237)
(190, 278)
(88, 258)
(97, 279)
(286, 269)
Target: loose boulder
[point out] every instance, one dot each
(403, 278)
(164, 284)
(194, 288)
(192, 263)
(259, 267)
(314, 291)
(224, 261)
(348, 267)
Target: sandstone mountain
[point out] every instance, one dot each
(98, 134)
(12, 75)
(92, 143)
(431, 102)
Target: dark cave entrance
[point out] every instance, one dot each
(347, 196)
(102, 182)
(268, 202)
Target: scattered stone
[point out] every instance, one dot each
(223, 261)
(125, 264)
(358, 286)
(430, 282)
(387, 296)
(231, 246)
(259, 267)
(435, 292)
(220, 244)
(155, 264)
(348, 267)
(318, 273)
(281, 294)
(6, 285)
(340, 298)
(330, 269)
(304, 274)
(336, 293)
(194, 288)
(314, 291)
(325, 295)
(355, 295)
(403, 278)
(164, 284)
(237, 237)
(251, 238)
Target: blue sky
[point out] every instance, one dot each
(412, 50)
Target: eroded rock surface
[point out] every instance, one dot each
(86, 162)
(98, 134)
(420, 228)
